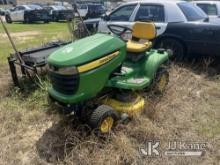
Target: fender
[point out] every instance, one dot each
(27, 14)
(155, 60)
(174, 36)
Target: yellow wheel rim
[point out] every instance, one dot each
(106, 124)
(162, 83)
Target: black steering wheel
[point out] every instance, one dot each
(118, 30)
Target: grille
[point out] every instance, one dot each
(66, 84)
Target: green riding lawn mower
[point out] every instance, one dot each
(101, 78)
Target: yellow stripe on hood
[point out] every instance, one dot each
(97, 63)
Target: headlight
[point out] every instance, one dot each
(64, 70)
(67, 71)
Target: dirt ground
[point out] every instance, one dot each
(32, 132)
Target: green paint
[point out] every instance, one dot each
(85, 50)
(135, 75)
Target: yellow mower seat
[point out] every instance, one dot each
(141, 30)
(137, 47)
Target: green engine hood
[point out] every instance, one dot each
(85, 50)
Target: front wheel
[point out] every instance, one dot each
(8, 19)
(26, 19)
(103, 119)
(56, 18)
(161, 80)
(175, 47)
(47, 21)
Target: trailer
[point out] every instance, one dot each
(32, 60)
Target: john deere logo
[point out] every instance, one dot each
(108, 58)
(97, 63)
(68, 50)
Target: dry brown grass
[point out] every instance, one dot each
(5, 79)
(32, 133)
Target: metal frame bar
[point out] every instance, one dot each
(24, 68)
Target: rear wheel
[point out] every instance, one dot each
(26, 19)
(103, 119)
(8, 19)
(161, 80)
(47, 21)
(175, 47)
(56, 19)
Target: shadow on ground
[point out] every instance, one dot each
(52, 145)
(69, 135)
(58, 141)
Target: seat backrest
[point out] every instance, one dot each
(144, 30)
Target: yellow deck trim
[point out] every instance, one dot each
(131, 108)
